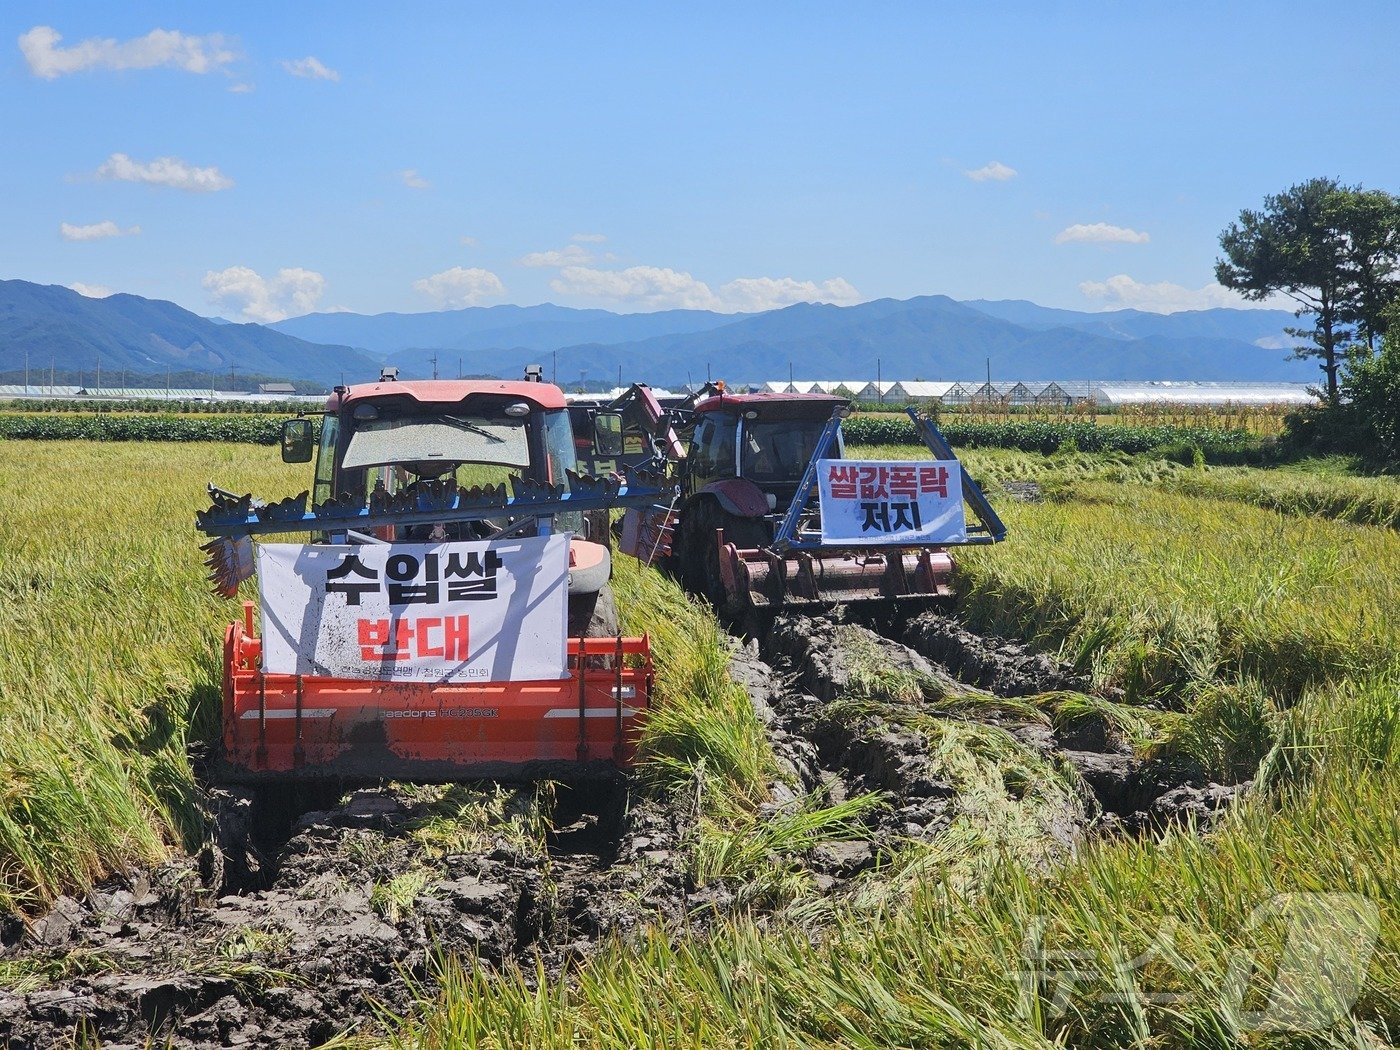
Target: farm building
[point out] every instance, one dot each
(1196, 393)
(1063, 392)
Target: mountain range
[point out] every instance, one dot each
(927, 337)
(56, 327)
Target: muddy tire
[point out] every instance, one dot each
(700, 565)
(594, 615)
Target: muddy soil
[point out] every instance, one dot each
(305, 916)
(305, 935)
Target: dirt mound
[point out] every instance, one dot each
(352, 903)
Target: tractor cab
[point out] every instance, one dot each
(766, 439)
(393, 440)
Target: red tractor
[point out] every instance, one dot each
(443, 516)
(745, 527)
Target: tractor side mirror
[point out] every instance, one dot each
(297, 440)
(607, 434)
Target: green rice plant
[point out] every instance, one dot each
(1137, 727)
(1159, 592)
(252, 941)
(462, 818)
(1128, 942)
(1228, 731)
(1359, 500)
(109, 653)
(394, 899)
(36, 971)
(702, 729)
(764, 857)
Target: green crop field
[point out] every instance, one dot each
(1247, 621)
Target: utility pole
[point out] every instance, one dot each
(52, 361)
(554, 378)
(26, 371)
(619, 377)
(879, 383)
(433, 359)
(459, 366)
(167, 380)
(99, 373)
(790, 391)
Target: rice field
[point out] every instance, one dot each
(1254, 641)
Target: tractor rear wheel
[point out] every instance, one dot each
(701, 564)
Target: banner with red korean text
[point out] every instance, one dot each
(488, 611)
(881, 502)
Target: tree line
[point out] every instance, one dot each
(1334, 250)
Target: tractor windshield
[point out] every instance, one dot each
(438, 439)
(779, 450)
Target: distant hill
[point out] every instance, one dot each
(57, 326)
(1250, 326)
(539, 328)
(929, 337)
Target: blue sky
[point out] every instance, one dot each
(277, 158)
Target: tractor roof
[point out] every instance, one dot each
(776, 406)
(438, 391)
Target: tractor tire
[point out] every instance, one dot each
(594, 615)
(701, 565)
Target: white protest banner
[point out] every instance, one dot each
(879, 502)
(489, 611)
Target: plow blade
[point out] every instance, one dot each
(287, 727)
(763, 578)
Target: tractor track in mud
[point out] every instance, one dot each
(313, 928)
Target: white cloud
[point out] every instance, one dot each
(292, 291)
(589, 238)
(994, 170)
(310, 67)
(1099, 233)
(573, 255)
(469, 242)
(164, 171)
(661, 288)
(1122, 291)
(92, 291)
(648, 286)
(751, 294)
(95, 232)
(413, 180)
(459, 287)
(159, 47)
(241, 89)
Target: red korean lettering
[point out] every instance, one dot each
(874, 483)
(934, 480)
(384, 640)
(455, 636)
(904, 481)
(842, 481)
(422, 626)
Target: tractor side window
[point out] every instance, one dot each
(714, 448)
(559, 443)
(325, 459)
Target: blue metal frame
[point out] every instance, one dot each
(787, 538)
(234, 519)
